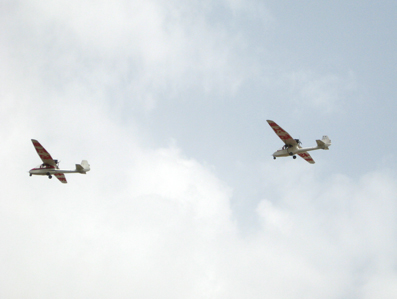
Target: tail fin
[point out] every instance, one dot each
(324, 143)
(83, 167)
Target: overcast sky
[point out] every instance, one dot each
(168, 101)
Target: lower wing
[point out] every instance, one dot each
(61, 177)
(307, 157)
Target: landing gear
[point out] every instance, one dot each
(30, 174)
(49, 175)
(274, 158)
(290, 154)
(294, 157)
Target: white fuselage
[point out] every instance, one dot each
(293, 150)
(46, 171)
(49, 170)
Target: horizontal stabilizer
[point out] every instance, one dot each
(324, 143)
(83, 167)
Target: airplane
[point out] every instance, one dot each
(51, 167)
(293, 147)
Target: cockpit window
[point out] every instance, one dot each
(43, 166)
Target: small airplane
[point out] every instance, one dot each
(51, 167)
(292, 146)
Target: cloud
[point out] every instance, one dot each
(153, 217)
(324, 93)
(341, 229)
(140, 53)
(152, 222)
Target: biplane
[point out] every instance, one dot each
(50, 166)
(293, 146)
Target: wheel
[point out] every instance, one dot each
(50, 176)
(274, 158)
(30, 174)
(294, 157)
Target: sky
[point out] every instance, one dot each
(168, 101)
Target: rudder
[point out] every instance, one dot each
(83, 167)
(324, 143)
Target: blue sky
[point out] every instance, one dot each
(168, 102)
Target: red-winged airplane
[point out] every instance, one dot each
(51, 167)
(292, 146)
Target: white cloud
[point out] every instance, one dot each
(323, 93)
(341, 229)
(151, 222)
(144, 218)
(140, 52)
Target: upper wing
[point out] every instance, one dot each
(44, 155)
(284, 136)
(307, 157)
(61, 177)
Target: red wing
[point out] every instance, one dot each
(284, 136)
(44, 155)
(307, 157)
(61, 177)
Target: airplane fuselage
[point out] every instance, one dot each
(47, 171)
(293, 150)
